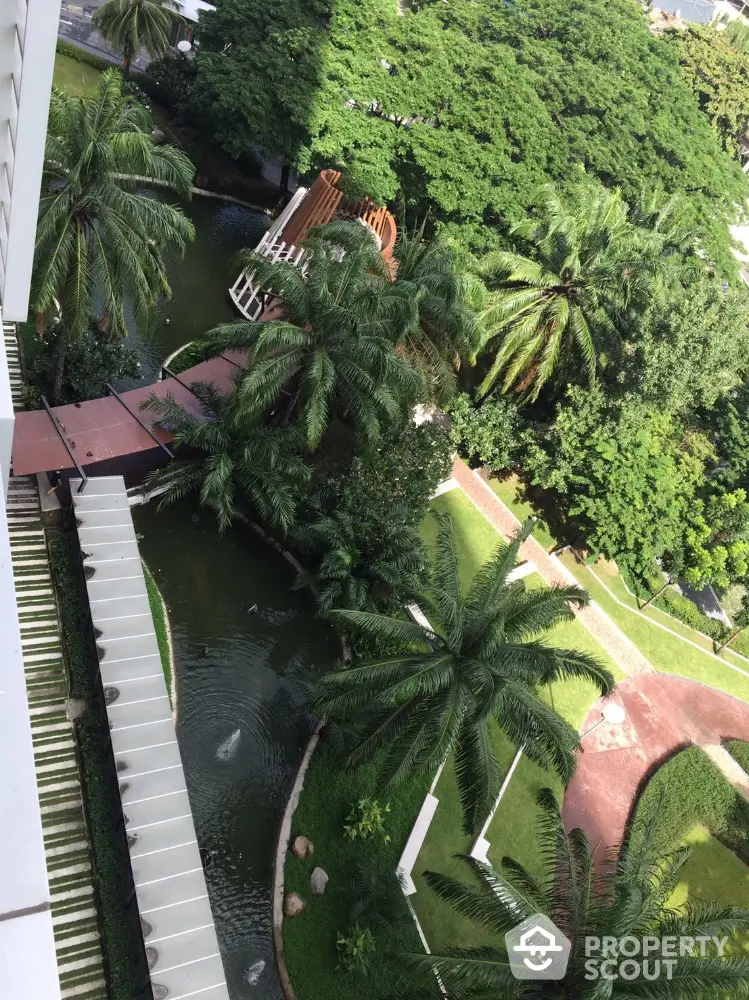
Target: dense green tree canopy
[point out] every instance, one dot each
(466, 107)
(719, 77)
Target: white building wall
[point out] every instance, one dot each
(28, 34)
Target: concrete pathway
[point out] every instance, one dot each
(607, 634)
(663, 714)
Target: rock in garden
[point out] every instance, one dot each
(157, 136)
(318, 880)
(302, 848)
(293, 904)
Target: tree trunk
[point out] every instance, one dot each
(730, 639)
(657, 594)
(60, 353)
(285, 174)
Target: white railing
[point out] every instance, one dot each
(246, 295)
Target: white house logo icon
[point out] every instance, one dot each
(537, 949)
(538, 941)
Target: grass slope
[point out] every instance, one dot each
(75, 78)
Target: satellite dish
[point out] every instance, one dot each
(184, 46)
(614, 714)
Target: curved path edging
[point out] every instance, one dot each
(663, 714)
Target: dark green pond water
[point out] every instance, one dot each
(240, 673)
(200, 282)
(240, 678)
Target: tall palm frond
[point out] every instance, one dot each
(587, 903)
(480, 665)
(243, 463)
(100, 240)
(332, 352)
(132, 25)
(591, 267)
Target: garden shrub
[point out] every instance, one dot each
(366, 820)
(693, 791)
(65, 562)
(487, 433)
(170, 81)
(83, 55)
(739, 750)
(91, 360)
(687, 612)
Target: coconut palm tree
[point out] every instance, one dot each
(587, 264)
(100, 240)
(616, 900)
(241, 462)
(481, 663)
(132, 25)
(332, 349)
(447, 332)
(360, 564)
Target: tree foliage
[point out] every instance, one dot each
(466, 107)
(718, 74)
(627, 473)
(483, 661)
(132, 25)
(489, 433)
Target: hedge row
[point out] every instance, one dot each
(100, 796)
(688, 790)
(739, 750)
(83, 55)
(686, 611)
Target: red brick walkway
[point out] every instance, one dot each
(663, 715)
(607, 634)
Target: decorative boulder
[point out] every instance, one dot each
(157, 136)
(318, 880)
(293, 904)
(302, 848)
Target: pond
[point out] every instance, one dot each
(200, 283)
(244, 645)
(243, 641)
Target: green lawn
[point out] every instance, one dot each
(75, 78)
(310, 938)
(666, 652)
(476, 539)
(712, 874)
(510, 492)
(158, 613)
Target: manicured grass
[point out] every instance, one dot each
(665, 651)
(75, 78)
(510, 492)
(161, 626)
(476, 539)
(712, 874)
(310, 938)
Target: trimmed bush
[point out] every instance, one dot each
(693, 791)
(687, 612)
(739, 750)
(83, 55)
(487, 434)
(72, 603)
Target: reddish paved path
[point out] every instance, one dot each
(664, 714)
(607, 634)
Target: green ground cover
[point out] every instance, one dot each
(160, 624)
(310, 939)
(700, 809)
(475, 538)
(74, 77)
(665, 651)
(739, 750)
(510, 491)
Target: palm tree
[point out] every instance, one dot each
(629, 898)
(447, 332)
(99, 241)
(132, 25)
(332, 350)
(564, 301)
(359, 564)
(483, 661)
(243, 461)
